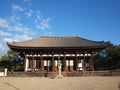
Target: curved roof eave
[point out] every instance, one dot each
(85, 47)
(58, 42)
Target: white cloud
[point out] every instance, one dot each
(28, 2)
(39, 16)
(14, 18)
(22, 37)
(5, 33)
(17, 38)
(20, 27)
(40, 27)
(13, 25)
(3, 48)
(4, 23)
(29, 13)
(41, 23)
(44, 24)
(17, 7)
(16, 25)
(50, 33)
(8, 40)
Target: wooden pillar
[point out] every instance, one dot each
(76, 62)
(24, 63)
(32, 62)
(64, 63)
(84, 62)
(53, 63)
(41, 63)
(92, 61)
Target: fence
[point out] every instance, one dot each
(94, 73)
(66, 74)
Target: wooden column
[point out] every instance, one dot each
(92, 61)
(64, 63)
(53, 63)
(32, 62)
(84, 62)
(76, 62)
(24, 63)
(41, 63)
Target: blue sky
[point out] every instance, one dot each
(96, 20)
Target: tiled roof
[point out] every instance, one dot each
(56, 41)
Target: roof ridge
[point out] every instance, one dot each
(56, 36)
(91, 40)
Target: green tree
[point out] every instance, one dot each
(113, 57)
(4, 58)
(111, 61)
(4, 62)
(10, 54)
(13, 61)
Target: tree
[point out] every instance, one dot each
(10, 54)
(113, 57)
(111, 61)
(4, 58)
(13, 61)
(4, 62)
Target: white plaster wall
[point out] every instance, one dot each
(1, 73)
(81, 54)
(44, 55)
(35, 54)
(71, 63)
(4, 73)
(79, 65)
(49, 63)
(67, 55)
(67, 63)
(34, 64)
(56, 55)
(61, 55)
(56, 63)
(45, 63)
(72, 55)
(27, 62)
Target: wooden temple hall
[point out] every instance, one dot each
(44, 53)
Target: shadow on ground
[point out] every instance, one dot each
(11, 85)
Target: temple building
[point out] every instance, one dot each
(44, 53)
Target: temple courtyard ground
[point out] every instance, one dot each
(66, 83)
